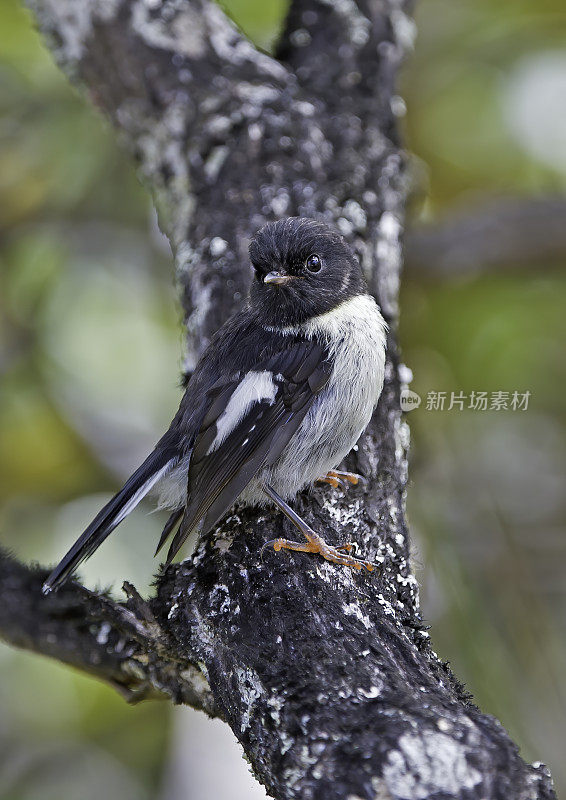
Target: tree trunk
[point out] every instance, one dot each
(326, 676)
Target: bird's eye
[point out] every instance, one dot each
(314, 263)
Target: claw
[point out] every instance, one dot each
(336, 555)
(336, 478)
(315, 543)
(348, 547)
(332, 481)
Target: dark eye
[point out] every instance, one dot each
(314, 263)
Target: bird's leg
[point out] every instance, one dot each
(314, 543)
(336, 478)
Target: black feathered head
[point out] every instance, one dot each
(303, 268)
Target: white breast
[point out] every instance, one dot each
(355, 335)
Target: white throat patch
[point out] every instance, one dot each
(333, 325)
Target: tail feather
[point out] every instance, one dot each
(169, 527)
(117, 509)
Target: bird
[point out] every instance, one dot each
(280, 395)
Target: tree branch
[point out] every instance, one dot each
(501, 235)
(326, 677)
(120, 643)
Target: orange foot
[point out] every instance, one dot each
(336, 478)
(316, 544)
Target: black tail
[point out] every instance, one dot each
(117, 509)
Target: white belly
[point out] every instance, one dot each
(355, 333)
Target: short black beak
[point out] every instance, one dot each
(278, 279)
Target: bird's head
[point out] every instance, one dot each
(302, 269)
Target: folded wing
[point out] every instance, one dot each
(249, 422)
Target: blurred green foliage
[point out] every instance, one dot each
(91, 352)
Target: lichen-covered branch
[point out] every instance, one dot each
(326, 676)
(120, 643)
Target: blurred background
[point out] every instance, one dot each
(90, 359)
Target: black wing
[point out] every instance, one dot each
(241, 433)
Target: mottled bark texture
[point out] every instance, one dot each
(326, 676)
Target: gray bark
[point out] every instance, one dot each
(327, 677)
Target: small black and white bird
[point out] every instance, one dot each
(277, 400)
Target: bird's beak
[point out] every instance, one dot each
(278, 279)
